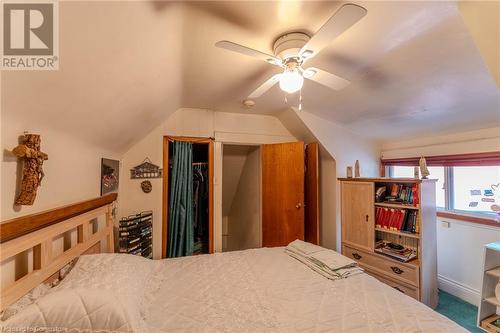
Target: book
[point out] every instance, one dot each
(396, 219)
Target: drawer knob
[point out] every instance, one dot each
(356, 256)
(397, 270)
(399, 289)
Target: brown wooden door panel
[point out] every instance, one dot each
(282, 193)
(312, 194)
(357, 214)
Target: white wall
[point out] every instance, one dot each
(225, 127)
(345, 147)
(72, 172)
(244, 220)
(233, 160)
(459, 247)
(480, 141)
(460, 256)
(327, 187)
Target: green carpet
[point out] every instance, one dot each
(461, 312)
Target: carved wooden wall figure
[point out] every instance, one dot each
(33, 158)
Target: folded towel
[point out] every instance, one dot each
(333, 260)
(304, 247)
(328, 263)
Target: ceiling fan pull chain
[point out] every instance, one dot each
(300, 100)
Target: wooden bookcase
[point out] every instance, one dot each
(491, 274)
(416, 278)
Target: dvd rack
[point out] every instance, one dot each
(136, 234)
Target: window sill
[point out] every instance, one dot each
(473, 218)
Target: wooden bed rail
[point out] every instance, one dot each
(37, 233)
(23, 225)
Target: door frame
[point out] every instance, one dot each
(165, 194)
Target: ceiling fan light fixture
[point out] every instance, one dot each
(291, 81)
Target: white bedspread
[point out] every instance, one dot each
(265, 290)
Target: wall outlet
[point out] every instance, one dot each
(445, 224)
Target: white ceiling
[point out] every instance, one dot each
(125, 66)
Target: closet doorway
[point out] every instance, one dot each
(187, 207)
(241, 197)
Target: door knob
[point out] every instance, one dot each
(298, 205)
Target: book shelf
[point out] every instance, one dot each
(397, 206)
(489, 304)
(400, 248)
(399, 233)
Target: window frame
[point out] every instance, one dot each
(449, 208)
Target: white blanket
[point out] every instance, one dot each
(261, 290)
(265, 290)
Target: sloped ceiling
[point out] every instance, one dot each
(126, 66)
(482, 20)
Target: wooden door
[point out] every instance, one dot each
(312, 194)
(357, 214)
(282, 193)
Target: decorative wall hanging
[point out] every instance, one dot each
(110, 173)
(146, 186)
(146, 170)
(29, 152)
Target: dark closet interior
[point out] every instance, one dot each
(200, 193)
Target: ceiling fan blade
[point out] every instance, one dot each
(224, 44)
(327, 79)
(343, 19)
(265, 86)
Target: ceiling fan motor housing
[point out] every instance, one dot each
(289, 45)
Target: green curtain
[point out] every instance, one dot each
(180, 222)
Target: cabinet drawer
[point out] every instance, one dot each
(403, 288)
(406, 273)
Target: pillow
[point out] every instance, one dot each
(125, 275)
(24, 301)
(36, 292)
(77, 310)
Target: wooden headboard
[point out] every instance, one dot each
(37, 232)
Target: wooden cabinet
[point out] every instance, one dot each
(357, 214)
(362, 234)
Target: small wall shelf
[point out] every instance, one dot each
(399, 233)
(395, 205)
(492, 300)
(494, 272)
(489, 304)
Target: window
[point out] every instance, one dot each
(468, 188)
(435, 173)
(476, 189)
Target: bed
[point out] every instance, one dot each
(258, 290)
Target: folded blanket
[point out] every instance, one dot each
(328, 263)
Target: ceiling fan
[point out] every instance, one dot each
(292, 50)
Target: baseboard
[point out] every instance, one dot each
(459, 290)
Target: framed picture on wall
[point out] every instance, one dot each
(110, 171)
